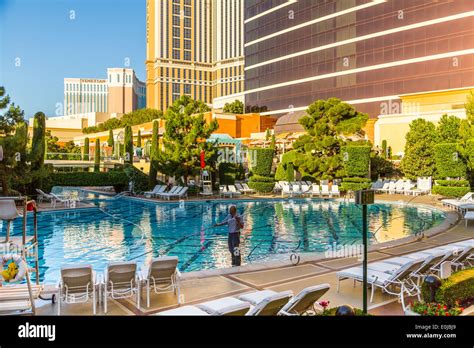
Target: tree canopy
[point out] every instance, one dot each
(186, 132)
(131, 119)
(236, 107)
(326, 124)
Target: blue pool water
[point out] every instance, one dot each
(128, 229)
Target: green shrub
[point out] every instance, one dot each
(453, 183)
(290, 172)
(262, 178)
(227, 173)
(355, 184)
(448, 191)
(449, 163)
(262, 161)
(262, 187)
(280, 174)
(458, 287)
(357, 160)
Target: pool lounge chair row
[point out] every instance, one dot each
(259, 303)
(234, 190)
(405, 187)
(402, 276)
(175, 192)
(463, 204)
(307, 189)
(80, 284)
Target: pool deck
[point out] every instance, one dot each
(198, 287)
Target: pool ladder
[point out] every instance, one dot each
(26, 243)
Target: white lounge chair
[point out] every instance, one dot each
(305, 189)
(305, 301)
(233, 191)
(172, 191)
(247, 188)
(266, 302)
(385, 188)
(286, 190)
(77, 285)
(161, 276)
(325, 190)
(335, 191)
(55, 199)
(156, 190)
(315, 191)
(467, 198)
(184, 311)
(182, 192)
(121, 281)
(227, 306)
(42, 196)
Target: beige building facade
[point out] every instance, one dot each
(195, 48)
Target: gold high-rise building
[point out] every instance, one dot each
(195, 48)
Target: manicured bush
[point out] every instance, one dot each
(128, 142)
(290, 172)
(97, 156)
(280, 174)
(453, 183)
(262, 178)
(449, 163)
(86, 149)
(262, 161)
(286, 169)
(355, 184)
(356, 160)
(458, 287)
(227, 173)
(449, 191)
(261, 186)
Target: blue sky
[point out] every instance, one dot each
(41, 44)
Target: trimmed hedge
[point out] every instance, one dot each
(449, 163)
(119, 179)
(458, 287)
(262, 161)
(355, 184)
(449, 191)
(357, 162)
(453, 183)
(261, 186)
(286, 169)
(262, 178)
(227, 173)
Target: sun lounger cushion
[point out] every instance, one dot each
(225, 306)
(185, 311)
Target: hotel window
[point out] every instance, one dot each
(187, 55)
(176, 32)
(187, 22)
(176, 54)
(187, 2)
(118, 78)
(187, 33)
(187, 44)
(176, 10)
(187, 11)
(176, 21)
(187, 89)
(176, 43)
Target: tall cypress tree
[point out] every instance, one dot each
(97, 156)
(139, 139)
(128, 145)
(38, 146)
(86, 149)
(110, 140)
(154, 154)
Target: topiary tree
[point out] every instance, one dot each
(38, 146)
(357, 161)
(154, 154)
(128, 142)
(384, 149)
(419, 159)
(97, 156)
(139, 139)
(449, 163)
(327, 124)
(261, 161)
(86, 149)
(449, 129)
(110, 140)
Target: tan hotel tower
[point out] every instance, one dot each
(195, 48)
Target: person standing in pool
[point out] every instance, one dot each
(234, 224)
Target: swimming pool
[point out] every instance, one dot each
(129, 229)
